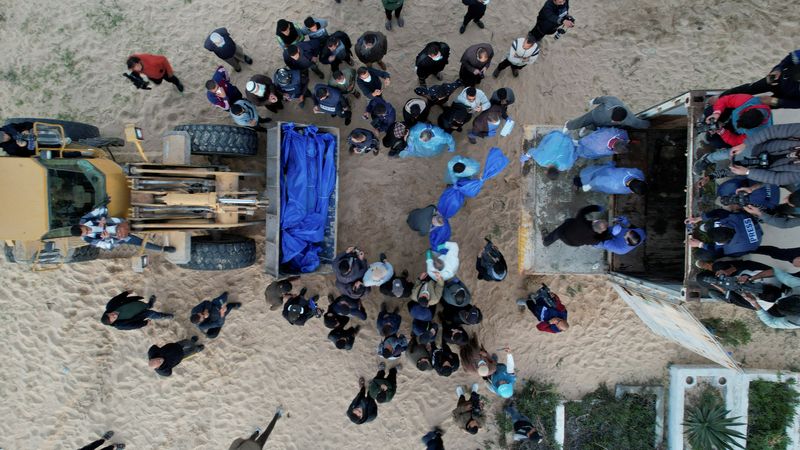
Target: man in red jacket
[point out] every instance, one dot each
(740, 116)
(155, 67)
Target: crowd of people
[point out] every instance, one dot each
(440, 335)
(750, 162)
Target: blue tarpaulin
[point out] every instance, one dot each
(308, 178)
(555, 149)
(453, 197)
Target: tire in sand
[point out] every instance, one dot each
(227, 252)
(221, 140)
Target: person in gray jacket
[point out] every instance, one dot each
(787, 215)
(608, 112)
(777, 145)
(474, 63)
(371, 47)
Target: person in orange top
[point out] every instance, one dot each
(155, 67)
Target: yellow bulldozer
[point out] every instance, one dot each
(199, 210)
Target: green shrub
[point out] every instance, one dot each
(707, 426)
(601, 420)
(538, 401)
(729, 332)
(771, 410)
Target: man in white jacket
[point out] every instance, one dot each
(443, 266)
(523, 51)
(474, 99)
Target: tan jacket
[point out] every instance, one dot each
(435, 287)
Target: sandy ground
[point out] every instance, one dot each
(66, 378)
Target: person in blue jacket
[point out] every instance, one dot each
(605, 141)
(426, 140)
(328, 100)
(388, 323)
(461, 167)
(609, 179)
(371, 81)
(209, 315)
(292, 84)
(624, 238)
(721, 233)
(502, 381)
(222, 44)
(761, 195)
(380, 113)
(783, 81)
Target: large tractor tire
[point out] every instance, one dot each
(221, 140)
(227, 252)
(73, 130)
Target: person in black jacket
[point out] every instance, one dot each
(438, 94)
(363, 408)
(475, 11)
(432, 61)
(14, 139)
(164, 359)
(579, 230)
(343, 338)
(491, 265)
(454, 117)
(126, 312)
(397, 286)
(297, 310)
(445, 361)
(222, 44)
(783, 81)
(433, 440)
(299, 57)
(337, 49)
(553, 18)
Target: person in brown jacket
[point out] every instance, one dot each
(476, 359)
(474, 63)
(468, 414)
(257, 440)
(261, 91)
(155, 67)
(427, 287)
(487, 124)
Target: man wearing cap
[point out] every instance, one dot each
(328, 100)
(461, 315)
(261, 91)
(297, 310)
(371, 47)
(603, 142)
(468, 414)
(503, 379)
(277, 291)
(456, 293)
(222, 44)
(445, 361)
(378, 272)
(423, 220)
(398, 286)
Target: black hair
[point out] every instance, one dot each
(502, 94)
(750, 119)
(552, 173)
(309, 22)
(362, 70)
(638, 186)
(357, 134)
(379, 109)
(292, 50)
(618, 114)
(285, 286)
(322, 92)
(636, 237)
(386, 329)
(370, 39)
(460, 295)
(794, 198)
(283, 25)
(341, 343)
(423, 365)
(194, 318)
(459, 167)
(332, 41)
(381, 397)
(386, 352)
(788, 306)
(770, 293)
(236, 109)
(471, 429)
(415, 109)
(211, 85)
(721, 235)
(471, 92)
(105, 320)
(531, 38)
(433, 50)
(132, 61)
(338, 74)
(344, 265)
(75, 230)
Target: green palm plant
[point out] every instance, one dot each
(707, 427)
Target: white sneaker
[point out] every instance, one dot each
(459, 391)
(475, 387)
(583, 132)
(565, 130)
(586, 188)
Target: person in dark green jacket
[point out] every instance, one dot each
(383, 388)
(397, 7)
(127, 312)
